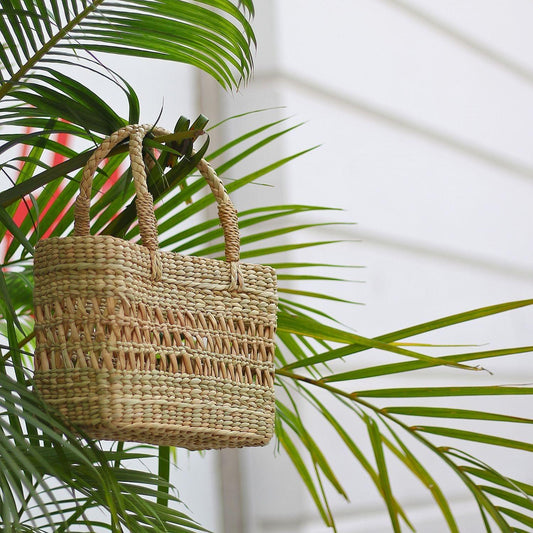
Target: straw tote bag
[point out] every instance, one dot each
(138, 344)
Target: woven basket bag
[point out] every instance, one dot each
(137, 344)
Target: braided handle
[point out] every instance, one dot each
(144, 201)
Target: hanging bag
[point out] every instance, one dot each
(138, 344)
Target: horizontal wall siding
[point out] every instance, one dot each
(424, 115)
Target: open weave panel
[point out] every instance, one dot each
(137, 344)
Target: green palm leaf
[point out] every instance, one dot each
(213, 35)
(377, 445)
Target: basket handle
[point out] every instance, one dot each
(144, 201)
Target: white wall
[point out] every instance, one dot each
(424, 111)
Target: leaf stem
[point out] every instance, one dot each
(21, 344)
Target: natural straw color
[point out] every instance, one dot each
(136, 344)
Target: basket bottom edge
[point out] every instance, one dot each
(180, 437)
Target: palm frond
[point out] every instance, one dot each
(214, 35)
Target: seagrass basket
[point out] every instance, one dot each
(138, 344)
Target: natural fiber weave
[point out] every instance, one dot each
(137, 344)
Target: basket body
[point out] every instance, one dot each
(181, 361)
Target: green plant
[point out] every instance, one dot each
(51, 479)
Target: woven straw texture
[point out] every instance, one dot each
(138, 344)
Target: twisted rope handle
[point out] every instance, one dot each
(145, 204)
